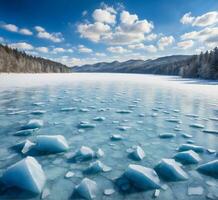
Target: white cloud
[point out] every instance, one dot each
(10, 27)
(100, 54)
(25, 31)
(165, 41)
(206, 19)
(42, 49)
(207, 36)
(151, 37)
(117, 49)
(93, 32)
(54, 37)
(127, 18)
(187, 18)
(83, 49)
(141, 46)
(21, 46)
(129, 30)
(185, 44)
(104, 16)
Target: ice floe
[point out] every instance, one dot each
(186, 147)
(67, 109)
(69, 174)
(38, 112)
(26, 174)
(186, 135)
(109, 191)
(170, 170)
(87, 189)
(137, 153)
(97, 167)
(210, 168)
(187, 157)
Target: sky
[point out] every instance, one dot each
(77, 32)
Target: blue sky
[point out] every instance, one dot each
(77, 32)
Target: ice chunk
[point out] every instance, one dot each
(170, 170)
(26, 174)
(142, 177)
(67, 109)
(45, 193)
(99, 119)
(210, 131)
(84, 124)
(156, 193)
(69, 174)
(197, 125)
(167, 135)
(186, 147)
(28, 145)
(174, 120)
(87, 189)
(211, 151)
(185, 135)
(83, 154)
(26, 132)
(51, 143)
(109, 191)
(84, 110)
(123, 128)
(124, 111)
(210, 168)
(116, 137)
(100, 153)
(137, 154)
(187, 157)
(38, 112)
(97, 167)
(33, 123)
(195, 190)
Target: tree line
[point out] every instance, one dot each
(13, 60)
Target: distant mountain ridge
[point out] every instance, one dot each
(12, 60)
(203, 66)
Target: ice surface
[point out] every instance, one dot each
(106, 94)
(170, 170)
(142, 177)
(167, 135)
(187, 157)
(185, 147)
(210, 168)
(97, 167)
(26, 174)
(195, 190)
(51, 143)
(137, 153)
(33, 123)
(87, 189)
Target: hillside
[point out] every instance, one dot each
(196, 66)
(12, 60)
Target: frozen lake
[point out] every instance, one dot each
(138, 108)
